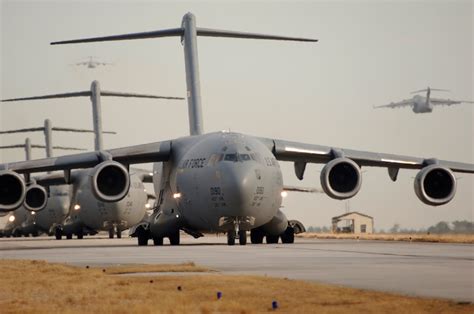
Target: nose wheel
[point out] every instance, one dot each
(241, 235)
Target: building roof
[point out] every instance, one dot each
(350, 213)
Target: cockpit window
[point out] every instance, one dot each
(244, 157)
(231, 157)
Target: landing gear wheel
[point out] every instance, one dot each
(35, 234)
(272, 239)
(157, 241)
(111, 233)
(69, 236)
(80, 235)
(288, 236)
(242, 237)
(174, 238)
(231, 237)
(58, 234)
(142, 239)
(256, 236)
(119, 233)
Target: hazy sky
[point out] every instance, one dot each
(370, 53)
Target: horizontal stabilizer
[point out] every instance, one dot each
(432, 89)
(89, 93)
(153, 34)
(207, 32)
(53, 96)
(118, 94)
(42, 146)
(54, 129)
(22, 130)
(80, 130)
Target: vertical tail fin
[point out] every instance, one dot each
(188, 33)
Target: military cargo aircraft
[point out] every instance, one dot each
(424, 104)
(92, 63)
(226, 181)
(30, 217)
(88, 214)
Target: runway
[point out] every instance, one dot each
(419, 269)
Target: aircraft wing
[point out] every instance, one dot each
(400, 104)
(448, 102)
(302, 153)
(145, 153)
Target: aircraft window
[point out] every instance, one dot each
(244, 157)
(230, 157)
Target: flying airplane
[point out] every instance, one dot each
(88, 214)
(27, 219)
(424, 104)
(225, 181)
(92, 63)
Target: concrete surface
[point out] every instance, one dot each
(421, 269)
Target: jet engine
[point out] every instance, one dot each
(110, 181)
(36, 198)
(341, 178)
(12, 190)
(435, 185)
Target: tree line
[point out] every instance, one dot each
(442, 227)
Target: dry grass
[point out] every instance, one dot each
(40, 287)
(161, 268)
(440, 238)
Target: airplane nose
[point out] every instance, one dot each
(239, 184)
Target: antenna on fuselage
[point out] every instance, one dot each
(188, 33)
(95, 94)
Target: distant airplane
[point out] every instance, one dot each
(92, 63)
(424, 104)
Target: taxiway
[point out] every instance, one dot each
(419, 269)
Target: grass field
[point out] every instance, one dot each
(440, 238)
(40, 287)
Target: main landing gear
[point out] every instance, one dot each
(287, 237)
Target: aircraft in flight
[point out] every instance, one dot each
(30, 218)
(226, 181)
(91, 63)
(424, 104)
(88, 214)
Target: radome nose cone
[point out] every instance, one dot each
(239, 184)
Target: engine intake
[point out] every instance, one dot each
(110, 181)
(12, 190)
(341, 178)
(36, 198)
(435, 185)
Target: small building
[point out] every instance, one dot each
(353, 222)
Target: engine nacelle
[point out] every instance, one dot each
(435, 185)
(341, 178)
(12, 190)
(110, 181)
(36, 198)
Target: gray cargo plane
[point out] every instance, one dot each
(30, 218)
(88, 214)
(424, 104)
(225, 181)
(92, 63)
